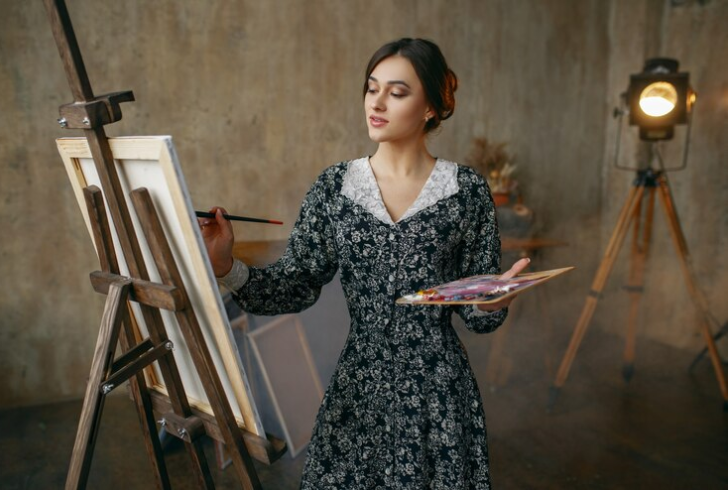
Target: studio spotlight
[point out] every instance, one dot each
(659, 98)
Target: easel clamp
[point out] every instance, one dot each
(101, 110)
(186, 428)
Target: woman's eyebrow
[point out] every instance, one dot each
(392, 82)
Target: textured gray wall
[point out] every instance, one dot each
(261, 96)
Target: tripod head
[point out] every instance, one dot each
(647, 177)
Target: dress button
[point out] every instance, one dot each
(388, 471)
(388, 428)
(391, 236)
(391, 278)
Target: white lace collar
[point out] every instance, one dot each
(361, 186)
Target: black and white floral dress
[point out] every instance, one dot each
(403, 410)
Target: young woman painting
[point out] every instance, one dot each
(403, 410)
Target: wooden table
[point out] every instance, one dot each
(259, 253)
(528, 245)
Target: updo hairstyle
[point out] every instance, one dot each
(439, 81)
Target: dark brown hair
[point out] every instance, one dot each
(438, 80)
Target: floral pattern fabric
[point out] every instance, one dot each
(403, 409)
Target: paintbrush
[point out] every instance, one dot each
(230, 217)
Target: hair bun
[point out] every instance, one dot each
(451, 85)
(452, 80)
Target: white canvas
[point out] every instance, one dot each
(151, 162)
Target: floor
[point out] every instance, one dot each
(665, 429)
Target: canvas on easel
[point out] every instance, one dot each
(151, 162)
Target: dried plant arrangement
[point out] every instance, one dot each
(495, 164)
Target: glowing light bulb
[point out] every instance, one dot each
(658, 99)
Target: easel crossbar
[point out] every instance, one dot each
(133, 365)
(148, 293)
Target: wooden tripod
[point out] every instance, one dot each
(91, 113)
(653, 182)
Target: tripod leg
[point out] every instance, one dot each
(635, 284)
(723, 331)
(600, 279)
(678, 238)
(93, 404)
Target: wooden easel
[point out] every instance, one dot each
(91, 113)
(654, 182)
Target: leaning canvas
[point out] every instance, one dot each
(151, 162)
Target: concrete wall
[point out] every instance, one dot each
(261, 96)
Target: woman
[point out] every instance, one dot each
(403, 408)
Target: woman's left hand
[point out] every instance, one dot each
(512, 272)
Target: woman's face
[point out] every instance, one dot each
(395, 102)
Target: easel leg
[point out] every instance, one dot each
(145, 412)
(193, 335)
(600, 279)
(635, 284)
(678, 239)
(114, 314)
(177, 396)
(109, 263)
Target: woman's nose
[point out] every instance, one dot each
(376, 102)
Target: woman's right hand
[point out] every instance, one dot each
(218, 235)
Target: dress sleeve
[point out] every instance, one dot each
(294, 282)
(481, 254)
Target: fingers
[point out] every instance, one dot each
(496, 306)
(226, 227)
(516, 268)
(218, 219)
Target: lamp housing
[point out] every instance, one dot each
(659, 98)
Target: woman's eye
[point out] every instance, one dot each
(371, 90)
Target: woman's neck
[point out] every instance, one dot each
(402, 161)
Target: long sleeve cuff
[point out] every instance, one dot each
(478, 312)
(237, 277)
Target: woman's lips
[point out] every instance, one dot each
(377, 122)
